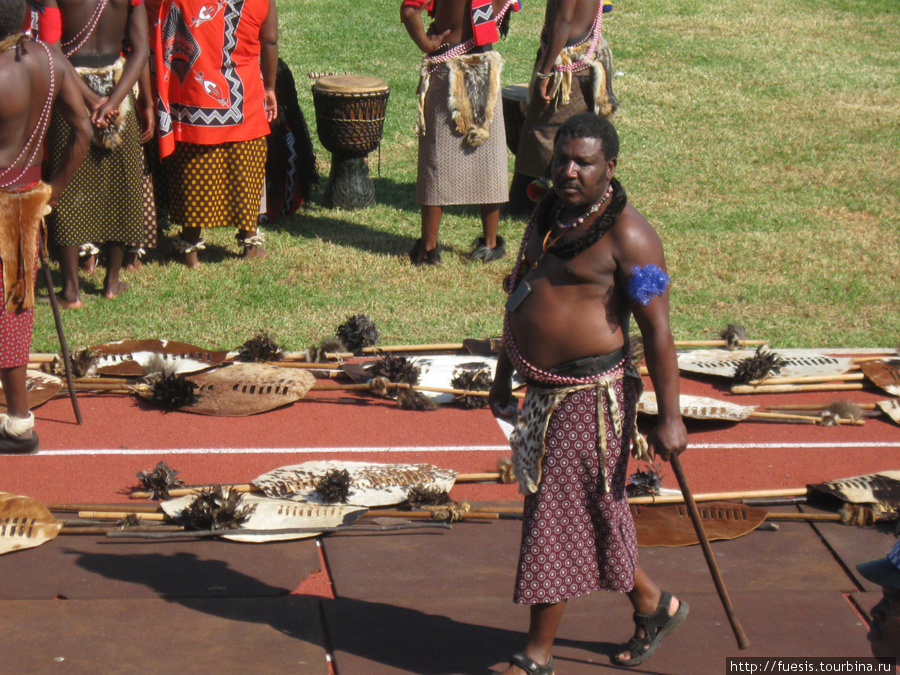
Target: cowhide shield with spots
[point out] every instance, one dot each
(24, 523)
(278, 519)
(798, 362)
(699, 407)
(40, 388)
(130, 358)
(885, 374)
(371, 484)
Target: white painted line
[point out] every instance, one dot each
(431, 449)
(762, 446)
(274, 451)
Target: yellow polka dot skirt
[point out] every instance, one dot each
(216, 185)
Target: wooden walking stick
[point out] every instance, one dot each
(64, 347)
(742, 639)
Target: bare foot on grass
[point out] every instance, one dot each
(115, 289)
(254, 253)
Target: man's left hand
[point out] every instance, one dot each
(668, 439)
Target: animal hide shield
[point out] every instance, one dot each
(24, 523)
(798, 362)
(370, 484)
(438, 370)
(885, 374)
(699, 407)
(891, 409)
(277, 515)
(670, 524)
(41, 387)
(874, 488)
(129, 358)
(243, 389)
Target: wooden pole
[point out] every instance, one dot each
(718, 343)
(815, 406)
(795, 388)
(809, 379)
(742, 639)
(801, 419)
(57, 319)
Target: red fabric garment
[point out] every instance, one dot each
(50, 25)
(427, 4)
(208, 78)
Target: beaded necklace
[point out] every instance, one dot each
(591, 211)
(34, 139)
(86, 31)
(463, 48)
(595, 32)
(565, 227)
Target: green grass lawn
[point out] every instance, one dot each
(762, 140)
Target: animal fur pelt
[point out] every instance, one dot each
(603, 100)
(102, 81)
(20, 220)
(474, 81)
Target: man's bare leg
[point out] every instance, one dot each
(645, 598)
(490, 219)
(190, 235)
(491, 246)
(13, 380)
(426, 249)
(542, 629)
(70, 295)
(431, 223)
(251, 251)
(17, 427)
(113, 287)
(88, 263)
(132, 261)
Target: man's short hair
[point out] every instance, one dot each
(589, 125)
(12, 16)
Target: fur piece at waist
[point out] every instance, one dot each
(20, 220)
(102, 80)
(602, 99)
(474, 84)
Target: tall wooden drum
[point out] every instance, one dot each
(514, 114)
(350, 112)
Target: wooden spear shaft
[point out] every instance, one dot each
(742, 639)
(791, 388)
(247, 487)
(809, 379)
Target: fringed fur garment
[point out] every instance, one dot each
(603, 100)
(102, 81)
(474, 91)
(20, 220)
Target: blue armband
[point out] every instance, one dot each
(646, 283)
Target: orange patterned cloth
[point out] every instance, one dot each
(209, 84)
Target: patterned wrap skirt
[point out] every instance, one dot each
(15, 331)
(216, 185)
(576, 537)
(106, 199)
(451, 172)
